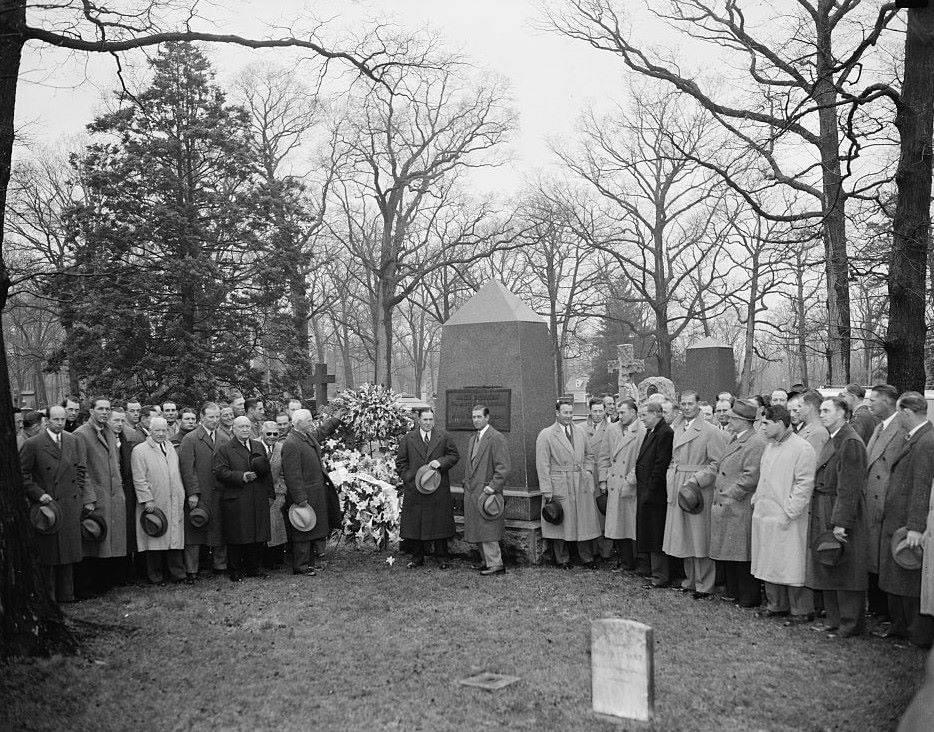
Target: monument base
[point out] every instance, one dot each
(523, 541)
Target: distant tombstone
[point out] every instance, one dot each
(317, 384)
(711, 367)
(656, 385)
(622, 669)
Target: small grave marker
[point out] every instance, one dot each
(622, 669)
(489, 681)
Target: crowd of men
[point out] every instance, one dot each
(157, 492)
(795, 504)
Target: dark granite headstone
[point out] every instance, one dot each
(497, 342)
(711, 367)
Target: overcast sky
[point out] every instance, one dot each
(551, 79)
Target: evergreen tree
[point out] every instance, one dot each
(617, 326)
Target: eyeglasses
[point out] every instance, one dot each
(271, 434)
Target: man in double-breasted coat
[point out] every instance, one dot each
(307, 485)
(734, 477)
(241, 467)
(565, 474)
(53, 467)
(133, 564)
(617, 472)
(595, 427)
(105, 568)
(695, 445)
(485, 474)
(652, 463)
(838, 505)
(196, 462)
(883, 447)
(906, 505)
(426, 517)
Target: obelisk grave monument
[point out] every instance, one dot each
(496, 350)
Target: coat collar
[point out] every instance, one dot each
(912, 441)
(683, 436)
(881, 439)
(833, 444)
(560, 436)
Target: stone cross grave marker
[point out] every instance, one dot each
(622, 669)
(626, 364)
(319, 381)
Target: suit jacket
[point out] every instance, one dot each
(59, 472)
(864, 422)
(651, 487)
(426, 516)
(883, 447)
(487, 464)
(906, 504)
(244, 507)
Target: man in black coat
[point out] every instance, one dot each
(241, 467)
(134, 568)
(427, 517)
(652, 490)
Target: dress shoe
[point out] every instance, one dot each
(306, 571)
(415, 563)
(798, 620)
(191, 579)
(589, 565)
(490, 571)
(686, 589)
(257, 575)
(824, 628)
(478, 567)
(658, 585)
(444, 565)
(563, 565)
(701, 595)
(727, 598)
(772, 614)
(236, 577)
(219, 571)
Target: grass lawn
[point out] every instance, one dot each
(368, 645)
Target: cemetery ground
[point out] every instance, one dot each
(366, 645)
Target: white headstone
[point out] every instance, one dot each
(622, 669)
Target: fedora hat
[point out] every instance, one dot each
(828, 550)
(259, 464)
(199, 516)
(552, 512)
(302, 518)
(905, 556)
(492, 505)
(93, 526)
(427, 480)
(744, 409)
(601, 503)
(690, 498)
(154, 522)
(46, 517)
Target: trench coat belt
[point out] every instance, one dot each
(686, 468)
(575, 469)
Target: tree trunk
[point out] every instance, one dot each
(904, 341)
(384, 341)
(749, 343)
(30, 622)
(345, 355)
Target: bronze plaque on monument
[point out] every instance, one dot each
(459, 403)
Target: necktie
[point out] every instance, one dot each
(426, 436)
(569, 433)
(164, 453)
(476, 447)
(213, 438)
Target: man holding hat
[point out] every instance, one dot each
(780, 518)
(424, 457)
(53, 465)
(906, 506)
(696, 445)
(160, 499)
(735, 476)
(484, 478)
(837, 525)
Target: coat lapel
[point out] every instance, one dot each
(647, 440)
(880, 440)
(683, 436)
(911, 442)
(560, 437)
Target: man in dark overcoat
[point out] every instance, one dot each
(307, 485)
(196, 464)
(53, 465)
(906, 505)
(244, 479)
(485, 474)
(652, 490)
(133, 568)
(838, 505)
(427, 517)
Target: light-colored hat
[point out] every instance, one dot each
(302, 518)
(427, 480)
(905, 556)
(492, 505)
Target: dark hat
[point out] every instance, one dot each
(93, 526)
(552, 512)
(904, 556)
(199, 516)
(601, 503)
(46, 517)
(259, 464)
(154, 522)
(828, 550)
(427, 480)
(690, 498)
(492, 505)
(744, 409)
(302, 518)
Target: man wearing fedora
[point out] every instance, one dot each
(734, 477)
(652, 461)
(196, 464)
(696, 444)
(838, 537)
(244, 477)
(780, 519)
(427, 508)
(617, 475)
(565, 475)
(160, 497)
(906, 507)
(484, 479)
(53, 465)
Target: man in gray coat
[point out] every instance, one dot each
(485, 475)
